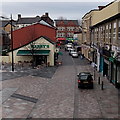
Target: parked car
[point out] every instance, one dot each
(70, 44)
(85, 80)
(68, 47)
(71, 50)
(74, 54)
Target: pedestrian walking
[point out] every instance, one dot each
(82, 56)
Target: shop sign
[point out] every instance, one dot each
(40, 46)
(111, 59)
(69, 38)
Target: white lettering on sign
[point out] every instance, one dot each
(40, 46)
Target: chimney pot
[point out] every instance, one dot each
(46, 14)
(19, 16)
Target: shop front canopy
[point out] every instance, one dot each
(60, 39)
(32, 52)
(60, 53)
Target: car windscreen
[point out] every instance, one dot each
(83, 77)
(74, 52)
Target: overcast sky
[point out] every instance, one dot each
(68, 10)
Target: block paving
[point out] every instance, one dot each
(58, 96)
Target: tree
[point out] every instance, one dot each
(32, 44)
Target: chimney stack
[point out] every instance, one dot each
(46, 14)
(101, 7)
(19, 16)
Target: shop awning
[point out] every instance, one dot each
(61, 39)
(69, 38)
(60, 53)
(35, 52)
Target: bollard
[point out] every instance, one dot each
(94, 73)
(99, 80)
(102, 85)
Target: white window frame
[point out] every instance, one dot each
(119, 30)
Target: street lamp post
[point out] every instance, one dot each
(12, 45)
(11, 40)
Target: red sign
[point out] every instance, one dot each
(61, 39)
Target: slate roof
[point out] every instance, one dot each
(28, 20)
(6, 22)
(31, 20)
(3, 32)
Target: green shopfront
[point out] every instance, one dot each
(110, 66)
(41, 51)
(115, 71)
(117, 61)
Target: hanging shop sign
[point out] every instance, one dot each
(111, 59)
(69, 38)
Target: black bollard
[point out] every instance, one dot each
(99, 80)
(102, 85)
(94, 73)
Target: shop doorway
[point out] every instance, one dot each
(105, 69)
(42, 59)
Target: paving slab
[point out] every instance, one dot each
(16, 108)
(6, 93)
(58, 95)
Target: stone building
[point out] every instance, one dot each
(66, 28)
(103, 35)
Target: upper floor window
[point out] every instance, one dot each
(110, 30)
(70, 28)
(60, 34)
(61, 28)
(107, 33)
(114, 30)
(119, 30)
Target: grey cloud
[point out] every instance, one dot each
(69, 10)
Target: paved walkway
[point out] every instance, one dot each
(44, 71)
(107, 99)
(53, 99)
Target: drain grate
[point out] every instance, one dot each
(30, 99)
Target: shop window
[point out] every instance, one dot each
(113, 73)
(119, 30)
(118, 74)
